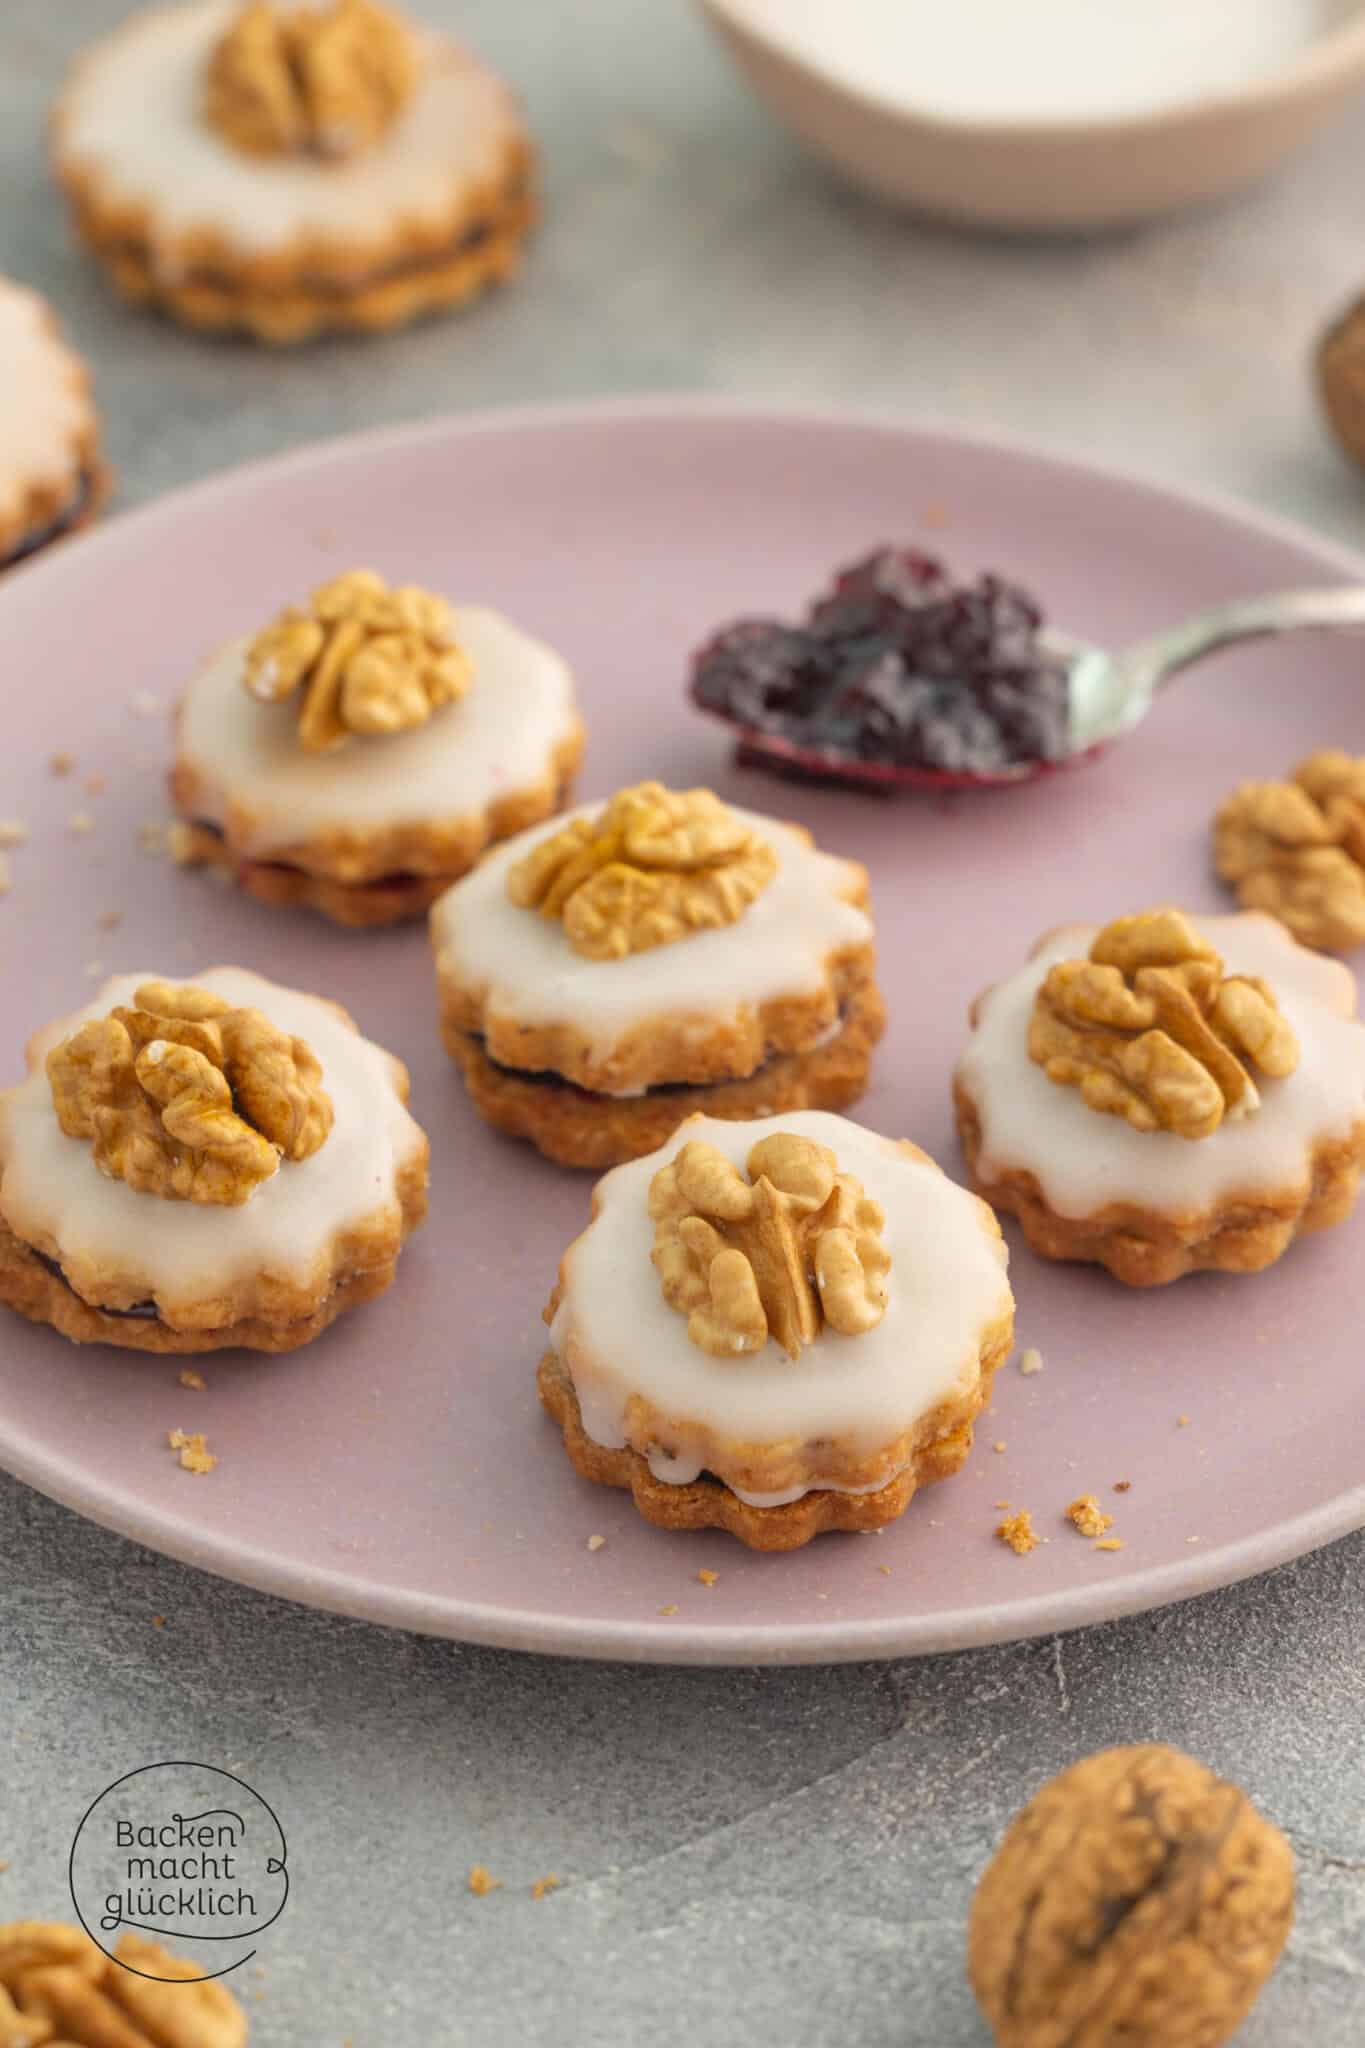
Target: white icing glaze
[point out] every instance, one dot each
(183, 1251)
(532, 975)
(44, 409)
(1084, 1159)
(618, 1337)
(500, 737)
(132, 116)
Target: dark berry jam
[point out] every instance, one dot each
(899, 666)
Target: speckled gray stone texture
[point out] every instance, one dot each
(757, 1858)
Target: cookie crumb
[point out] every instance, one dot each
(151, 835)
(1182, 1421)
(95, 785)
(5, 882)
(195, 1455)
(885, 1570)
(1018, 1532)
(143, 704)
(109, 920)
(1110, 1543)
(1086, 1515)
(999, 1445)
(1002, 1504)
(1123, 1486)
(180, 843)
(671, 1608)
(3, 1868)
(158, 1621)
(596, 1542)
(13, 832)
(194, 1380)
(935, 517)
(1031, 1362)
(1191, 1539)
(79, 823)
(62, 764)
(482, 1881)
(542, 1885)
(707, 1578)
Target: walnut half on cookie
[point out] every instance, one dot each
(652, 957)
(360, 750)
(1167, 1094)
(776, 1328)
(191, 1168)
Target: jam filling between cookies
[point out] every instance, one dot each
(135, 251)
(70, 516)
(141, 1312)
(547, 1078)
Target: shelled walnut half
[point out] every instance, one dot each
(297, 80)
(653, 866)
(363, 660)
(1149, 1028)
(1297, 849)
(185, 1097)
(1137, 1898)
(794, 1246)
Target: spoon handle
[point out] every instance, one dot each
(1153, 662)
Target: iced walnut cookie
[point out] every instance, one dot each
(52, 476)
(1167, 1094)
(282, 170)
(1297, 849)
(192, 1167)
(360, 751)
(776, 1328)
(660, 954)
(59, 1990)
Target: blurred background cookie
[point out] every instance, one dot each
(281, 171)
(52, 479)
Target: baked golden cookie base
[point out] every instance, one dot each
(675, 1047)
(574, 1127)
(261, 1313)
(32, 1290)
(365, 882)
(1144, 1247)
(314, 290)
(709, 1504)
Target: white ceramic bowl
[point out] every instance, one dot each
(1050, 170)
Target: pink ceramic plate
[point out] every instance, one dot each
(399, 1469)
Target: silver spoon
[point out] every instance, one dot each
(1109, 693)
(1112, 693)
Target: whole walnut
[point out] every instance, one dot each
(1136, 1898)
(1341, 378)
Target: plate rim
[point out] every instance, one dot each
(638, 1639)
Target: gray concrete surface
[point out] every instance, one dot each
(753, 1858)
